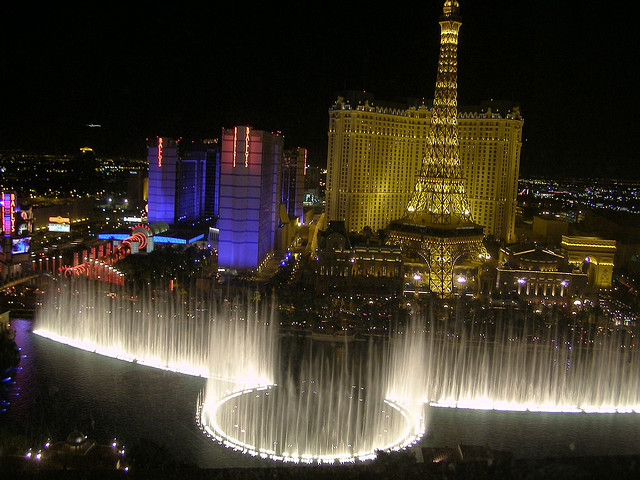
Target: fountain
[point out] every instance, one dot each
(160, 329)
(329, 404)
(322, 403)
(298, 400)
(515, 364)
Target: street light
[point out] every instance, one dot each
(462, 281)
(416, 279)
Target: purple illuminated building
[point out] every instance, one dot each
(182, 180)
(163, 169)
(249, 199)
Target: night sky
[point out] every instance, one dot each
(142, 70)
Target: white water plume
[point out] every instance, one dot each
(512, 365)
(301, 400)
(187, 332)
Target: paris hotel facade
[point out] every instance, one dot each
(375, 152)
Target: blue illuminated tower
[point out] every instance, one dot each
(162, 156)
(180, 189)
(250, 175)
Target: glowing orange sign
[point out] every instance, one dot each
(159, 152)
(59, 219)
(247, 139)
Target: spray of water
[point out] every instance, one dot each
(298, 400)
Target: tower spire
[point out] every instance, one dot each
(451, 8)
(439, 195)
(438, 226)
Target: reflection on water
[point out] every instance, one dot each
(62, 388)
(537, 435)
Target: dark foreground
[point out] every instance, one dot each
(575, 468)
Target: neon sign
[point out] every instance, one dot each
(159, 152)
(247, 142)
(8, 212)
(235, 145)
(247, 139)
(59, 219)
(305, 161)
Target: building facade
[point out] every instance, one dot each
(202, 156)
(362, 270)
(182, 180)
(16, 228)
(249, 198)
(591, 254)
(162, 156)
(375, 150)
(538, 275)
(294, 168)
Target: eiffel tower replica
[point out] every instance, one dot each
(437, 226)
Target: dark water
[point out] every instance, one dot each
(62, 388)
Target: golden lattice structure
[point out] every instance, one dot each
(438, 226)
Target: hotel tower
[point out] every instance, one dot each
(375, 153)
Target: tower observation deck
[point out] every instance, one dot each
(437, 226)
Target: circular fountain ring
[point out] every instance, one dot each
(206, 418)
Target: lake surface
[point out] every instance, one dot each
(61, 388)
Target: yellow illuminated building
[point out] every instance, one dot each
(375, 151)
(593, 254)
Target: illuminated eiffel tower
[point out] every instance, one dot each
(438, 226)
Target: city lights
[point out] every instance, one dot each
(383, 294)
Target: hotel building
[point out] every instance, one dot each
(181, 186)
(375, 151)
(249, 198)
(294, 168)
(538, 275)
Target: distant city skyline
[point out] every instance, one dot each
(143, 72)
